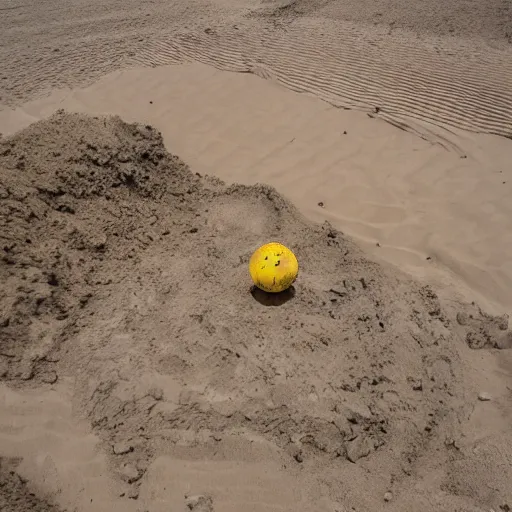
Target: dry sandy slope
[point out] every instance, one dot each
(126, 297)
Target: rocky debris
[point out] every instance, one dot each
(504, 341)
(416, 384)
(122, 448)
(462, 318)
(199, 503)
(355, 412)
(484, 331)
(129, 473)
(484, 396)
(298, 456)
(358, 448)
(49, 377)
(133, 493)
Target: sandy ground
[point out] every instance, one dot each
(126, 305)
(139, 370)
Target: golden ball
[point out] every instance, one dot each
(273, 267)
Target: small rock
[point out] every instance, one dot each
(199, 503)
(53, 280)
(358, 448)
(133, 493)
(502, 322)
(484, 397)
(49, 377)
(122, 447)
(388, 496)
(157, 393)
(26, 371)
(129, 473)
(355, 412)
(97, 242)
(416, 384)
(338, 292)
(462, 318)
(504, 341)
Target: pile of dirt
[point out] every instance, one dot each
(124, 270)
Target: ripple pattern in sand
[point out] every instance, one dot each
(454, 86)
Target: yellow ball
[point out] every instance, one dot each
(273, 267)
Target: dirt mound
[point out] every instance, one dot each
(127, 272)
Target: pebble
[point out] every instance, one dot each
(27, 373)
(157, 393)
(133, 493)
(122, 448)
(388, 496)
(462, 318)
(199, 503)
(49, 377)
(355, 411)
(484, 397)
(417, 384)
(358, 448)
(129, 473)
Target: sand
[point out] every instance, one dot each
(127, 305)
(140, 371)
